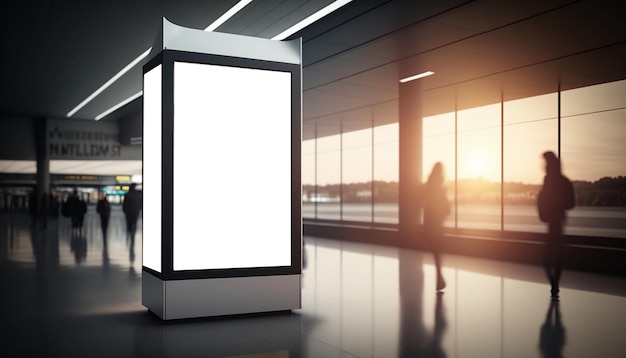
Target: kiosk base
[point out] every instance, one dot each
(178, 299)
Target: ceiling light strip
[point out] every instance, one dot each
(311, 19)
(235, 9)
(119, 105)
(109, 82)
(418, 76)
(227, 15)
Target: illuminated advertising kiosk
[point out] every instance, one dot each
(221, 174)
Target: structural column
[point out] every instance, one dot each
(410, 138)
(43, 159)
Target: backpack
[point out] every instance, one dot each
(569, 194)
(553, 201)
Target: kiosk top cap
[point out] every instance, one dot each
(175, 37)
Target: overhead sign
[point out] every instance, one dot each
(77, 139)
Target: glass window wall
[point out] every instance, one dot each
(308, 178)
(492, 156)
(479, 167)
(356, 193)
(386, 173)
(439, 146)
(530, 129)
(328, 178)
(593, 156)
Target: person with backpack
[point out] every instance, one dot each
(132, 205)
(555, 198)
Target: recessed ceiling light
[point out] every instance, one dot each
(227, 15)
(219, 21)
(418, 76)
(119, 105)
(311, 19)
(109, 82)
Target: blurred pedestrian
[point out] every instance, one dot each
(132, 205)
(75, 208)
(555, 198)
(436, 209)
(104, 210)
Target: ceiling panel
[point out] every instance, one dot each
(54, 54)
(269, 18)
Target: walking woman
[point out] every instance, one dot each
(436, 209)
(555, 198)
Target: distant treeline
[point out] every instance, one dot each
(384, 192)
(606, 191)
(603, 192)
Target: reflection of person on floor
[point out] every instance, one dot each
(78, 245)
(415, 337)
(556, 196)
(104, 210)
(552, 334)
(436, 209)
(131, 207)
(436, 349)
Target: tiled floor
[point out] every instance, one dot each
(65, 296)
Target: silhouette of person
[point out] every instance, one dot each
(555, 197)
(133, 203)
(552, 334)
(103, 208)
(436, 209)
(75, 208)
(81, 210)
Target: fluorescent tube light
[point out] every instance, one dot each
(240, 5)
(311, 19)
(227, 15)
(109, 82)
(418, 76)
(117, 106)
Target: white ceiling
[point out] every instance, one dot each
(54, 54)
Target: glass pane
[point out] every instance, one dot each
(328, 177)
(357, 175)
(594, 157)
(386, 173)
(438, 132)
(479, 162)
(308, 178)
(530, 129)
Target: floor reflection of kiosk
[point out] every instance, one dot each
(221, 112)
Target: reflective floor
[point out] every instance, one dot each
(78, 295)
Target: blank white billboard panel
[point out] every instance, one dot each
(231, 181)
